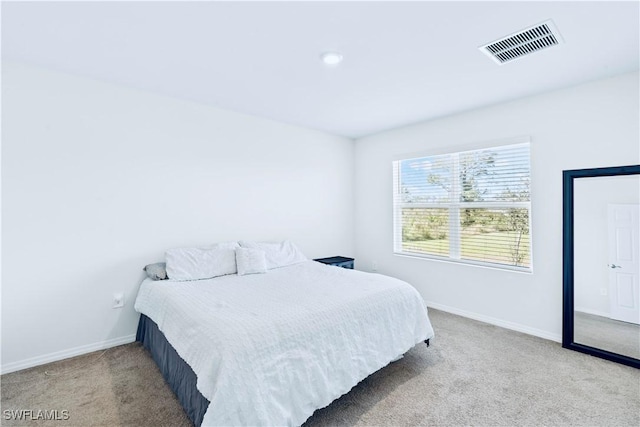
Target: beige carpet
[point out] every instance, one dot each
(473, 374)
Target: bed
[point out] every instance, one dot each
(270, 349)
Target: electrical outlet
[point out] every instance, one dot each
(604, 292)
(118, 300)
(374, 266)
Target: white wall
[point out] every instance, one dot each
(592, 125)
(592, 197)
(98, 180)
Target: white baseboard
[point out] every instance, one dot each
(594, 312)
(77, 351)
(498, 322)
(65, 354)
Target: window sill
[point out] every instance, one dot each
(481, 264)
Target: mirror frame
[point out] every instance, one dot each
(568, 177)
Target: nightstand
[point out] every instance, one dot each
(338, 261)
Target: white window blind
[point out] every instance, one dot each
(471, 206)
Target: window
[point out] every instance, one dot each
(471, 206)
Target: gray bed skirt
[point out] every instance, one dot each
(176, 372)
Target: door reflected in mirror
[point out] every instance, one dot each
(606, 276)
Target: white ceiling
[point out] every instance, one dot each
(403, 61)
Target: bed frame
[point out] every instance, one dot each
(175, 371)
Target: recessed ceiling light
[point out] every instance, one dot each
(331, 58)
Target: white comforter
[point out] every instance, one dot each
(270, 349)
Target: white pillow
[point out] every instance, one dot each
(250, 261)
(278, 254)
(201, 263)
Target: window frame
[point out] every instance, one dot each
(455, 206)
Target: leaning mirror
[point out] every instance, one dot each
(601, 263)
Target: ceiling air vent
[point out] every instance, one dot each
(523, 43)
